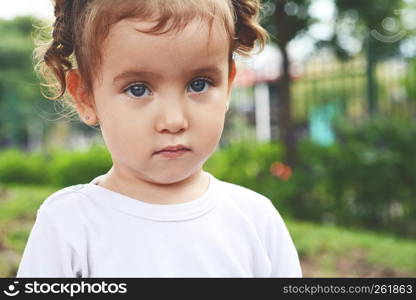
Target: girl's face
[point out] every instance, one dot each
(162, 90)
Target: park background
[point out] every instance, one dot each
(322, 122)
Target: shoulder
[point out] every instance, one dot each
(251, 202)
(63, 202)
(69, 212)
(265, 218)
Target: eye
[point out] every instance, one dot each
(199, 84)
(136, 90)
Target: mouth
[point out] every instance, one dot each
(173, 149)
(173, 153)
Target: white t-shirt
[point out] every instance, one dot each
(89, 231)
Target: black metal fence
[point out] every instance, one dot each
(351, 89)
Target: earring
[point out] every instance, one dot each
(87, 118)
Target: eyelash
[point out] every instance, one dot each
(206, 79)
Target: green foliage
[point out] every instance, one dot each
(357, 19)
(410, 80)
(248, 163)
(22, 167)
(367, 180)
(371, 13)
(59, 168)
(19, 87)
(244, 161)
(69, 168)
(285, 20)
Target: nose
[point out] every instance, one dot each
(172, 116)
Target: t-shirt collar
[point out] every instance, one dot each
(159, 212)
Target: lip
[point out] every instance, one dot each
(173, 154)
(173, 149)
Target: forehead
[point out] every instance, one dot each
(127, 47)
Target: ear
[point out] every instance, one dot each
(231, 77)
(83, 101)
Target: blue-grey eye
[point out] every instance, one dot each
(136, 90)
(199, 84)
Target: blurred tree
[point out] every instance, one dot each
(357, 19)
(16, 79)
(20, 97)
(376, 25)
(285, 20)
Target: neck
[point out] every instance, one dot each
(147, 190)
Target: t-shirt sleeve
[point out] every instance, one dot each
(47, 254)
(280, 247)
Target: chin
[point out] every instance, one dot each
(170, 177)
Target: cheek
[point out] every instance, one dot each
(128, 128)
(214, 121)
(117, 116)
(208, 120)
(123, 131)
(208, 127)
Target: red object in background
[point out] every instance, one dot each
(281, 170)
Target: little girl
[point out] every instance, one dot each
(156, 77)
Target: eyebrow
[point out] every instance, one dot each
(214, 70)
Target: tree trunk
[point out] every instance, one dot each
(285, 122)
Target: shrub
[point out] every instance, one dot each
(75, 167)
(365, 180)
(21, 167)
(247, 163)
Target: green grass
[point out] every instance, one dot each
(331, 251)
(18, 206)
(325, 251)
(19, 201)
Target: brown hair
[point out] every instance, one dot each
(81, 26)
